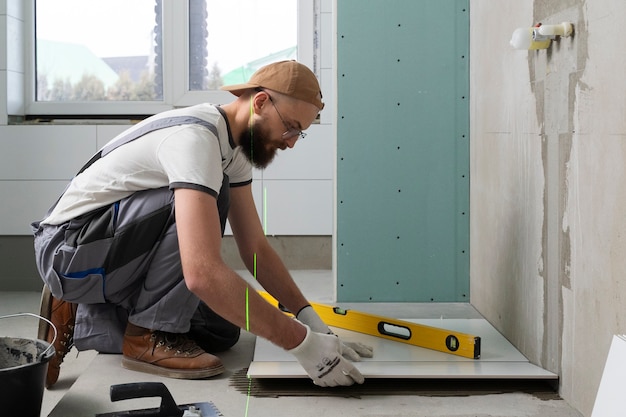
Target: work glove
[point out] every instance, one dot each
(351, 350)
(320, 356)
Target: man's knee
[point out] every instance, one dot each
(212, 332)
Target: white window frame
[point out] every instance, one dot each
(175, 67)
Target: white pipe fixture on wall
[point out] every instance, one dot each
(539, 36)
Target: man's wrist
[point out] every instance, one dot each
(303, 307)
(296, 335)
(309, 316)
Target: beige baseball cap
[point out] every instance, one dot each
(288, 77)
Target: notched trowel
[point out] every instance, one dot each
(168, 407)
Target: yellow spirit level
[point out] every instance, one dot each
(428, 337)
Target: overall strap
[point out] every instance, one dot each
(135, 134)
(147, 128)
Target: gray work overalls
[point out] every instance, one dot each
(122, 262)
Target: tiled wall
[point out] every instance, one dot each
(294, 196)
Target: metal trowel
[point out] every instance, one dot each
(168, 407)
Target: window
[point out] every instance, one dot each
(93, 52)
(227, 51)
(135, 57)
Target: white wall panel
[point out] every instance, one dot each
(15, 93)
(311, 158)
(37, 161)
(104, 133)
(257, 174)
(257, 194)
(298, 207)
(44, 152)
(107, 132)
(328, 89)
(24, 202)
(295, 207)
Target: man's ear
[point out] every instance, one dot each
(260, 99)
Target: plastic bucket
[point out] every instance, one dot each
(23, 368)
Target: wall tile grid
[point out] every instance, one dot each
(294, 196)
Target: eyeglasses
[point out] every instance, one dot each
(291, 131)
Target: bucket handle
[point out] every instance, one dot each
(41, 318)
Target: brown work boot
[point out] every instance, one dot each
(63, 315)
(167, 354)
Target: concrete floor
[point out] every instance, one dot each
(83, 387)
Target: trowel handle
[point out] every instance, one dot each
(133, 390)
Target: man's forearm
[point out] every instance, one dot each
(273, 275)
(240, 304)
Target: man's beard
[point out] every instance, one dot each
(252, 142)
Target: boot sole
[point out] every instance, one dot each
(45, 310)
(135, 365)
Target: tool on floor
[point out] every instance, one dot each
(168, 407)
(455, 343)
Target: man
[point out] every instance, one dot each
(130, 252)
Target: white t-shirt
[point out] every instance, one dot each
(182, 156)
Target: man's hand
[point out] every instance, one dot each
(321, 357)
(351, 350)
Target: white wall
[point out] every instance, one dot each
(36, 161)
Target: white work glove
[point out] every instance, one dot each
(320, 356)
(351, 350)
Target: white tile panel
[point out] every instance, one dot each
(298, 207)
(104, 133)
(25, 202)
(328, 87)
(499, 359)
(257, 174)
(311, 158)
(257, 194)
(15, 93)
(107, 132)
(44, 152)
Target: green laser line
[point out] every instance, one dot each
(253, 258)
(251, 125)
(247, 295)
(265, 210)
(248, 329)
(248, 396)
(247, 312)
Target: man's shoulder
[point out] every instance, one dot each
(204, 111)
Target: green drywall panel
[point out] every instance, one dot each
(403, 150)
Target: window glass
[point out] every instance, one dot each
(98, 50)
(230, 39)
